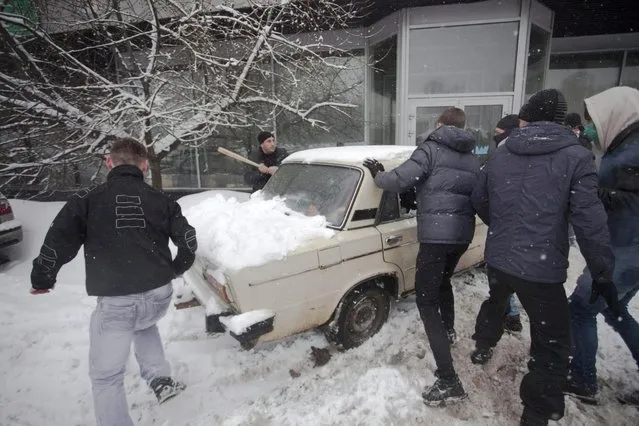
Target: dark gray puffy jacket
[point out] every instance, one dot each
(537, 181)
(444, 170)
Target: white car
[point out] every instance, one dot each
(10, 228)
(344, 283)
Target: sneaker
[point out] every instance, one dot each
(481, 355)
(512, 323)
(631, 398)
(166, 388)
(582, 393)
(452, 336)
(444, 391)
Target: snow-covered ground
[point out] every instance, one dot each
(44, 351)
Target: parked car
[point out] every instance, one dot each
(10, 228)
(344, 283)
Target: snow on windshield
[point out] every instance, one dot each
(236, 235)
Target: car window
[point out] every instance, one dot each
(314, 189)
(388, 208)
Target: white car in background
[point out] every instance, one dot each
(10, 228)
(344, 283)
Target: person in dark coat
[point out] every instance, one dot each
(615, 114)
(444, 170)
(269, 156)
(503, 129)
(125, 226)
(573, 120)
(531, 187)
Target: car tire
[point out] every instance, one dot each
(361, 316)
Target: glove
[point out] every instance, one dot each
(374, 166)
(606, 288)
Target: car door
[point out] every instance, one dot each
(399, 238)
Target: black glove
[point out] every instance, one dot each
(374, 166)
(606, 288)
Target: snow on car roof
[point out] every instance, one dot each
(352, 154)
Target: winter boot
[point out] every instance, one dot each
(582, 393)
(532, 418)
(452, 336)
(631, 398)
(445, 390)
(166, 388)
(512, 323)
(481, 355)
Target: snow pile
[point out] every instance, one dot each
(354, 154)
(238, 324)
(236, 235)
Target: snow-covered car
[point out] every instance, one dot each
(343, 284)
(10, 228)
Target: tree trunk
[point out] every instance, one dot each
(156, 172)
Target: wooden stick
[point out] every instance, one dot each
(237, 157)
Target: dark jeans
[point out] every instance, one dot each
(435, 265)
(547, 309)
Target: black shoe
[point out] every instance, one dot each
(166, 388)
(531, 418)
(512, 323)
(452, 336)
(444, 391)
(631, 398)
(481, 355)
(582, 393)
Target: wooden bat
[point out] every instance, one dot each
(237, 157)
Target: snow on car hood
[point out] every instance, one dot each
(235, 235)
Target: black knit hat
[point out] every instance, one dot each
(573, 120)
(264, 136)
(545, 105)
(508, 123)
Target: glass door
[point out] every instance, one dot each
(482, 114)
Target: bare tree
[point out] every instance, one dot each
(167, 72)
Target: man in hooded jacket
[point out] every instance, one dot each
(615, 115)
(443, 169)
(532, 185)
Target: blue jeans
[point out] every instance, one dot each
(584, 325)
(115, 324)
(513, 310)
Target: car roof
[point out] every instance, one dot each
(389, 155)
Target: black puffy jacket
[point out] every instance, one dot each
(444, 170)
(534, 184)
(125, 226)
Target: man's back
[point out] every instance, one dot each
(125, 226)
(535, 182)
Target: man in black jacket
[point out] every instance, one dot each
(444, 169)
(125, 226)
(269, 157)
(533, 184)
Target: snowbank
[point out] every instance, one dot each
(235, 235)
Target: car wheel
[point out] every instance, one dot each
(362, 314)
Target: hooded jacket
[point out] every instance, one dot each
(443, 169)
(531, 187)
(615, 113)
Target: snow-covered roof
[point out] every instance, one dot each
(353, 155)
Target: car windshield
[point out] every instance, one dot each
(313, 189)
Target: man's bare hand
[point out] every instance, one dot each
(38, 291)
(263, 169)
(272, 170)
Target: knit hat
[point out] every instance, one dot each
(264, 136)
(545, 105)
(573, 120)
(508, 123)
